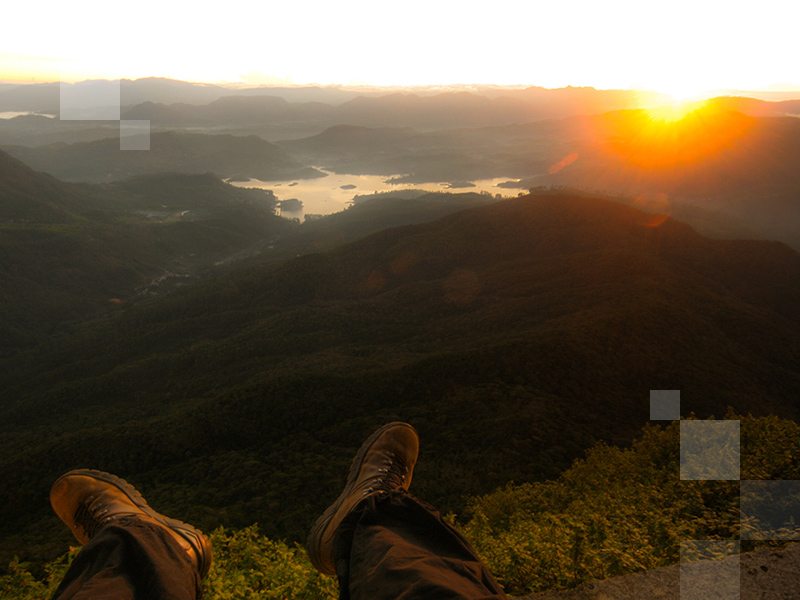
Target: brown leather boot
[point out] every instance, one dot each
(88, 500)
(385, 462)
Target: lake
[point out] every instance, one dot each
(335, 192)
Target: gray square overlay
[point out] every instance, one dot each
(710, 450)
(710, 570)
(134, 135)
(90, 101)
(770, 510)
(665, 405)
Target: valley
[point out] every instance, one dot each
(512, 271)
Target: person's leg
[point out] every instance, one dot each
(130, 551)
(383, 543)
(395, 546)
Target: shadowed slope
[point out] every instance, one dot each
(512, 335)
(71, 251)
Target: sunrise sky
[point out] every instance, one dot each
(681, 47)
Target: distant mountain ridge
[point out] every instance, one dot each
(432, 111)
(444, 110)
(225, 155)
(45, 97)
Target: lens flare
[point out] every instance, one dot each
(567, 160)
(657, 206)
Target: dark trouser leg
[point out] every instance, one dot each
(394, 547)
(131, 559)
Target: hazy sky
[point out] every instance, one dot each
(679, 46)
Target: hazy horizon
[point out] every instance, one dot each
(685, 49)
(775, 92)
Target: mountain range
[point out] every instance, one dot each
(443, 110)
(290, 113)
(726, 173)
(727, 166)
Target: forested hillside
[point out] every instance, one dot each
(513, 335)
(71, 251)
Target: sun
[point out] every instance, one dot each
(677, 135)
(674, 111)
(686, 93)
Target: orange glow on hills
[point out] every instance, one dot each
(658, 140)
(674, 112)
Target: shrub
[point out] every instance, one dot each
(615, 512)
(246, 565)
(619, 511)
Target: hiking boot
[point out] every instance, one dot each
(384, 463)
(87, 501)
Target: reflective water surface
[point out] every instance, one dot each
(327, 195)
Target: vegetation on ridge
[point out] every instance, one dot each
(619, 511)
(614, 512)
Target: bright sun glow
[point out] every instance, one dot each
(684, 94)
(615, 44)
(676, 135)
(685, 89)
(675, 111)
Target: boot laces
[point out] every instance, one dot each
(91, 516)
(392, 475)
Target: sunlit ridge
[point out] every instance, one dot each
(678, 135)
(676, 111)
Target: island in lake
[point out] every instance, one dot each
(291, 204)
